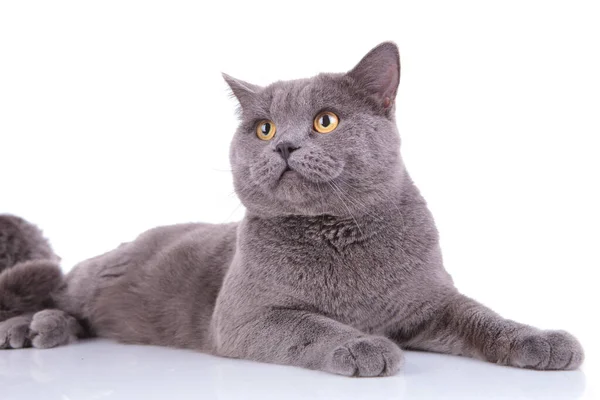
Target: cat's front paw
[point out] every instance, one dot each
(547, 350)
(368, 356)
(13, 333)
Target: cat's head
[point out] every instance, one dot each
(323, 145)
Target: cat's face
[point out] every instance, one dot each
(324, 145)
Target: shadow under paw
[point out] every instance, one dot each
(548, 350)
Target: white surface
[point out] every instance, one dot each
(114, 119)
(104, 370)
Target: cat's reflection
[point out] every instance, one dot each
(98, 370)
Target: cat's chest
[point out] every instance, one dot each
(360, 277)
(347, 285)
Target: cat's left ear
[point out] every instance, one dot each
(245, 92)
(378, 74)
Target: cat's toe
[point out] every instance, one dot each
(548, 350)
(14, 332)
(371, 356)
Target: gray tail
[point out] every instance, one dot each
(29, 271)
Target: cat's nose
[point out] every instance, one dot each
(285, 148)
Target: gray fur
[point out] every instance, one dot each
(51, 328)
(22, 241)
(27, 287)
(29, 277)
(14, 332)
(336, 265)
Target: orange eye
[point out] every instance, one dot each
(265, 130)
(326, 122)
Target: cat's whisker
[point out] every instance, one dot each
(347, 208)
(382, 195)
(357, 204)
(362, 205)
(233, 212)
(321, 200)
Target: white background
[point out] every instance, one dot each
(114, 119)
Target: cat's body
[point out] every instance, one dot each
(162, 288)
(336, 265)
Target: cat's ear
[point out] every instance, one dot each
(378, 73)
(245, 92)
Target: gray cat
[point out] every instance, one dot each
(336, 265)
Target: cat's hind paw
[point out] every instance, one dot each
(51, 328)
(14, 332)
(547, 350)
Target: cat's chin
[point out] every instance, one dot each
(291, 183)
(291, 178)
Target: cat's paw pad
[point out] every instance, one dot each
(369, 356)
(547, 350)
(51, 328)
(13, 333)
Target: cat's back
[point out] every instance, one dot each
(193, 240)
(152, 246)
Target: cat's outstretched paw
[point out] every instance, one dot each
(547, 350)
(51, 328)
(14, 332)
(369, 356)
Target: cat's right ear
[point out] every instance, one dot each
(246, 93)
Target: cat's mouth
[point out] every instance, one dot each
(288, 172)
(299, 173)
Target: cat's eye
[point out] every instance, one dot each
(265, 130)
(326, 122)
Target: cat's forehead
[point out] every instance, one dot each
(303, 96)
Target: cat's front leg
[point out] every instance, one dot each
(305, 339)
(465, 327)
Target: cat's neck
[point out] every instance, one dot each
(387, 215)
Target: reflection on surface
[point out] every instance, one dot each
(104, 370)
